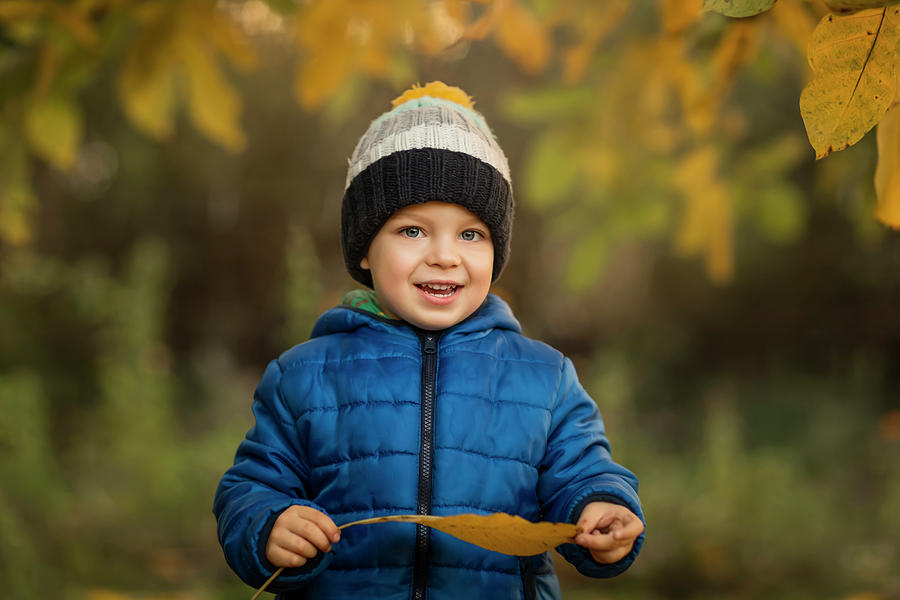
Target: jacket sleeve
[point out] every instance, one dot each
(578, 469)
(268, 476)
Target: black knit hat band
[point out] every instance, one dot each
(415, 177)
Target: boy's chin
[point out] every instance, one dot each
(437, 322)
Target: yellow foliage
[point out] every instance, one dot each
(887, 173)
(177, 44)
(678, 15)
(737, 47)
(53, 129)
(593, 26)
(340, 38)
(16, 197)
(213, 104)
(706, 227)
(146, 82)
(794, 20)
(853, 62)
(523, 37)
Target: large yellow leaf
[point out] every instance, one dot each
(500, 532)
(887, 173)
(853, 60)
(53, 129)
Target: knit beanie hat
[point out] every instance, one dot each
(433, 145)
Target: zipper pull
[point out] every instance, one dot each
(429, 344)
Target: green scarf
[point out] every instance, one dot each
(363, 299)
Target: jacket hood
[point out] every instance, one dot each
(494, 313)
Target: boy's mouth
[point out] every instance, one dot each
(440, 290)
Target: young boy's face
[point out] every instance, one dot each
(431, 264)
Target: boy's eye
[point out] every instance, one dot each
(412, 232)
(470, 235)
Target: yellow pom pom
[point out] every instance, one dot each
(435, 89)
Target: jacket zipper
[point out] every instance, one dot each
(426, 461)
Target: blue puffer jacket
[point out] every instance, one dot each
(371, 417)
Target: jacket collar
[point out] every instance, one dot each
(494, 313)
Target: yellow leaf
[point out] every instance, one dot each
(698, 103)
(226, 35)
(523, 38)
(78, 25)
(146, 82)
(441, 25)
(213, 104)
(500, 532)
(50, 57)
(593, 25)
(706, 227)
(736, 48)
(53, 129)
(328, 58)
(853, 83)
(16, 197)
(486, 23)
(322, 75)
(678, 15)
(15, 10)
(887, 173)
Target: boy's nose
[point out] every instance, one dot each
(443, 253)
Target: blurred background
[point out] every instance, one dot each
(170, 183)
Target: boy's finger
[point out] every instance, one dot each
(601, 523)
(595, 541)
(629, 530)
(301, 547)
(323, 521)
(312, 533)
(280, 557)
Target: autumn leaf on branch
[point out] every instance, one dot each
(853, 63)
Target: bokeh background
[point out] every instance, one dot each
(170, 183)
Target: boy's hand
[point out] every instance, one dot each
(609, 531)
(298, 534)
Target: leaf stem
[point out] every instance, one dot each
(266, 584)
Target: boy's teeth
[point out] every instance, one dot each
(438, 289)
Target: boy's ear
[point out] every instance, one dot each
(364, 263)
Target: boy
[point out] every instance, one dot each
(422, 396)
